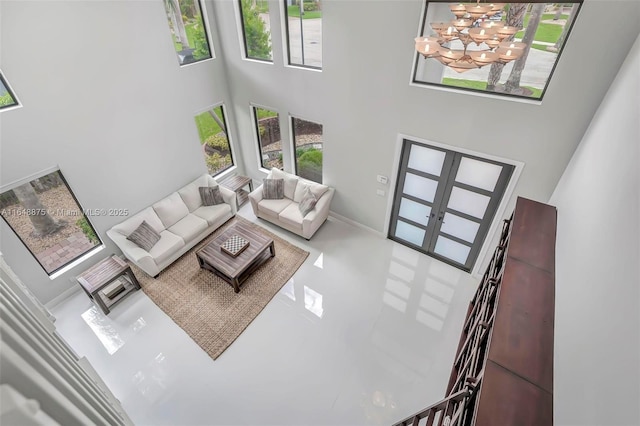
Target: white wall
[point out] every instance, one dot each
(597, 350)
(105, 99)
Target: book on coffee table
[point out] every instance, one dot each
(234, 245)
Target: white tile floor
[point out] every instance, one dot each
(363, 334)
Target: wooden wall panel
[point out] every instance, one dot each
(509, 400)
(522, 339)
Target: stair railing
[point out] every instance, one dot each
(442, 413)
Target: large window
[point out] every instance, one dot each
(255, 29)
(214, 138)
(304, 32)
(188, 32)
(269, 140)
(532, 32)
(7, 98)
(307, 137)
(50, 222)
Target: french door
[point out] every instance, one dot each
(445, 201)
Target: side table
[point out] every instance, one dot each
(236, 184)
(96, 279)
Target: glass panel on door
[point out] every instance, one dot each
(468, 202)
(420, 187)
(452, 250)
(459, 227)
(478, 173)
(426, 160)
(415, 212)
(410, 233)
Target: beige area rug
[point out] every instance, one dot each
(205, 306)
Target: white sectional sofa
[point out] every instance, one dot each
(182, 222)
(285, 212)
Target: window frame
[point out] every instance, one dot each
(294, 147)
(243, 38)
(256, 129)
(287, 43)
(225, 119)
(7, 86)
(79, 258)
(207, 35)
(423, 24)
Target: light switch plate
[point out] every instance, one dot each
(382, 179)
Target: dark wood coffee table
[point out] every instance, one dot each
(235, 270)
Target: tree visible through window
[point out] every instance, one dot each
(307, 137)
(188, 31)
(256, 29)
(50, 222)
(269, 139)
(214, 137)
(304, 32)
(7, 98)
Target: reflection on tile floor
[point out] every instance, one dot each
(363, 334)
(104, 331)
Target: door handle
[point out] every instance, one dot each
(440, 216)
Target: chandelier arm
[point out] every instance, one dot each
(460, 29)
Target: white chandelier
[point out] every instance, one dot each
(488, 36)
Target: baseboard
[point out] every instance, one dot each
(356, 224)
(62, 297)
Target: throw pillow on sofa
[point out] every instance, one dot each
(290, 181)
(316, 189)
(308, 202)
(210, 195)
(273, 189)
(144, 236)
